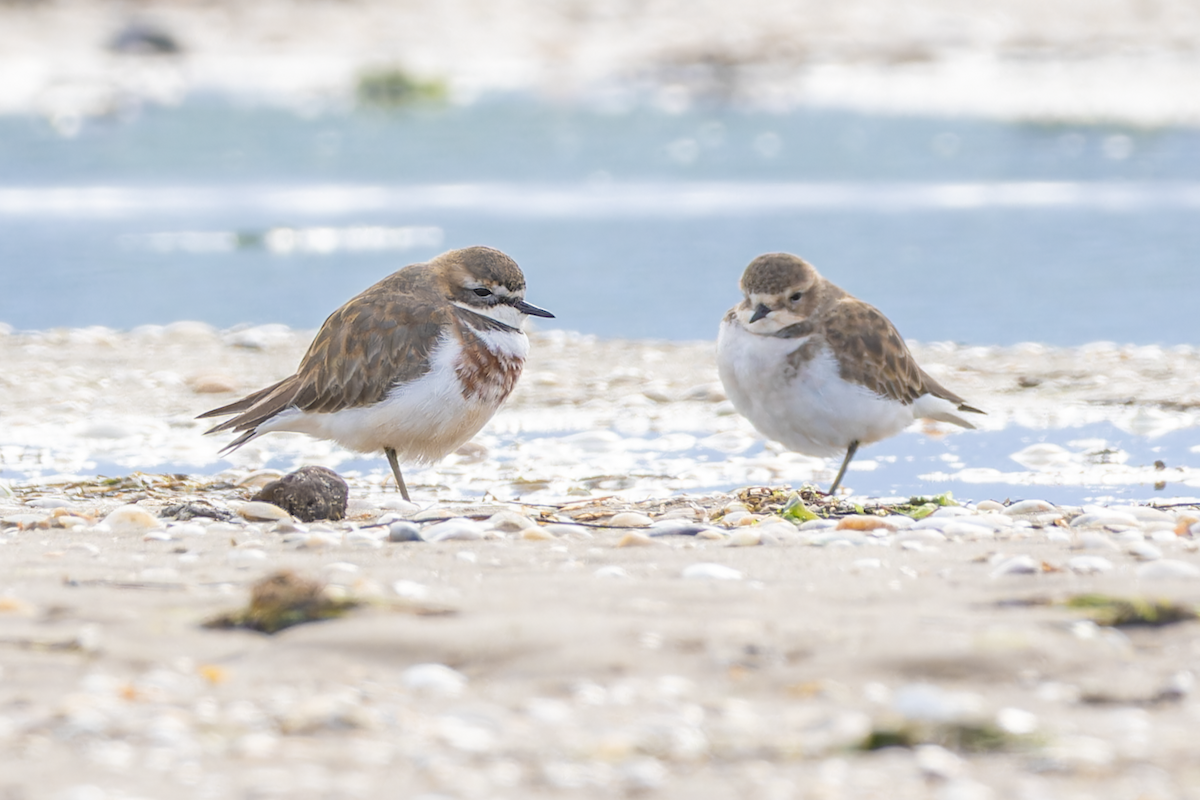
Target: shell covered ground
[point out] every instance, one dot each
(580, 617)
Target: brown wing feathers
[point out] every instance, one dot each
(877, 357)
(379, 333)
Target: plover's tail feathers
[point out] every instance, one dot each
(942, 404)
(252, 411)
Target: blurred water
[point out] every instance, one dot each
(629, 222)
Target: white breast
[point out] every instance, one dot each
(422, 420)
(809, 409)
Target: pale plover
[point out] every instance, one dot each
(414, 366)
(819, 370)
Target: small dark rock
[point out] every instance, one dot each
(309, 494)
(185, 511)
(404, 532)
(139, 38)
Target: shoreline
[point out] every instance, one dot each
(584, 408)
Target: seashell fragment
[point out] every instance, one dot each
(131, 519)
(1089, 565)
(629, 519)
(434, 679)
(457, 528)
(258, 511)
(1017, 565)
(1167, 569)
(711, 571)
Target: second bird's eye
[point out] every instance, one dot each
(482, 292)
(796, 296)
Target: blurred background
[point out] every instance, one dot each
(1028, 172)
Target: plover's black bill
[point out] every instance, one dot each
(532, 310)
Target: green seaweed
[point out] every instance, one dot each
(1117, 612)
(963, 737)
(281, 600)
(393, 87)
(795, 509)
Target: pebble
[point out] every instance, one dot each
(1102, 519)
(819, 524)
(457, 528)
(561, 529)
(629, 519)
(989, 505)
(1145, 513)
(259, 511)
(1089, 565)
(1091, 540)
(537, 534)
(712, 534)
(925, 535)
(636, 539)
(745, 537)
(1017, 565)
(434, 679)
(366, 539)
(49, 502)
(610, 571)
(309, 494)
(246, 556)
(1144, 551)
(836, 539)
(319, 540)
(1167, 569)
(404, 532)
(510, 522)
(1029, 507)
(131, 519)
(411, 590)
(937, 762)
(398, 505)
(675, 527)
(862, 522)
(718, 572)
(15, 521)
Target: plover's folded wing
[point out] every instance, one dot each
(365, 348)
(872, 354)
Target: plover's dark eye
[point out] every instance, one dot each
(482, 292)
(796, 296)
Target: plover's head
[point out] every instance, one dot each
(780, 290)
(487, 282)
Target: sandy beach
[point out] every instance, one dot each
(617, 589)
(582, 636)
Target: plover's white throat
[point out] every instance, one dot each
(414, 366)
(818, 370)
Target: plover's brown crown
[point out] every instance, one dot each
(775, 273)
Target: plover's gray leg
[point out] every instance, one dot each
(391, 457)
(850, 451)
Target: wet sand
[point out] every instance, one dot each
(719, 652)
